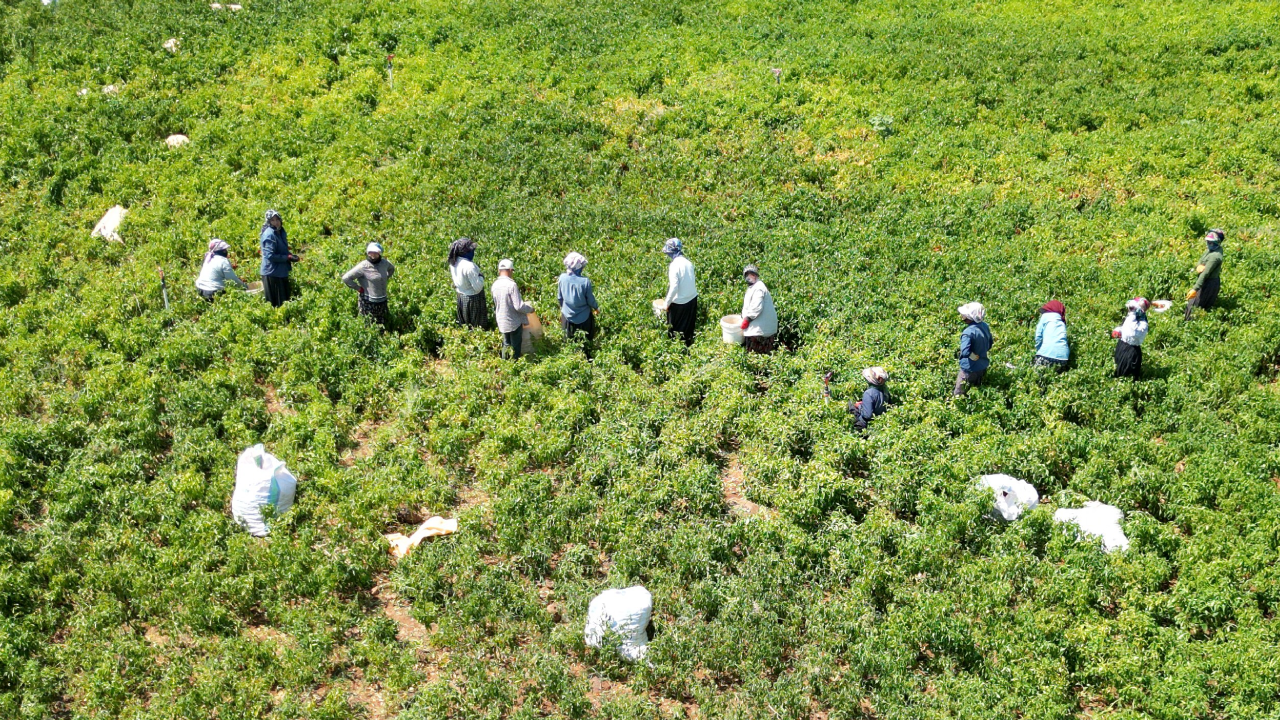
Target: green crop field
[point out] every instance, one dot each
(906, 157)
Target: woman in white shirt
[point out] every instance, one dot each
(682, 292)
(469, 284)
(1129, 337)
(216, 271)
(759, 318)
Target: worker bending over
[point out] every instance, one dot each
(975, 343)
(759, 318)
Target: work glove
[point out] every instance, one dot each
(746, 322)
(1192, 293)
(294, 258)
(1115, 333)
(1199, 269)
(359, 289)
(974, 357)
(857, 405)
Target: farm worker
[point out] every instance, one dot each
(1051, 337)
(682, 292)
(975, 343)
(510, 310)
(874, 399)
(577, 301)
(277, 261)
(468, 282)
(216, 271)
(759, 319)
(1129, 337)
(369, 279)
(1205, 292)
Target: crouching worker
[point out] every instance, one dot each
(509, 309)
(1205, 292)
(1129, 337)
(759, 318)
(369, 279)
(1051, 337)
(975, 343)
(875, 400)
(216, 271)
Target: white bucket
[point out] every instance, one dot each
(659, 307)
(731, 329)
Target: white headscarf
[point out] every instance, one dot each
(973, 312)
(875, 375)
(1139, 303)
(573, 262)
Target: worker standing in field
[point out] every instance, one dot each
(577, 299)
(277, 260)
(682, 292)
(875, 400)
(216, 271)
(975, 343)
(759, 318)
(509, 309)
(369, 279)
(1051, 337)
(1129, 337)
(1205, 292)
(469, 284)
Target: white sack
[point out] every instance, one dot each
(1098, 520)
(172, 44)
(110, 89)
(1013, 496)
(109, 224)
(261, 479)
(177, 141)
(625, 612)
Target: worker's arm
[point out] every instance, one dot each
(391, 269)
(518, 302)
(966, 346)
(673, 282)
(1039, 335)
(591, 297)
(753, 306)
(867, 409)
(269, 250)
(229, 273)
(1210, 267)
(349, 279)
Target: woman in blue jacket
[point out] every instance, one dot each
(975, 343)
(875, 400)
(1051, 337)
(277, 260)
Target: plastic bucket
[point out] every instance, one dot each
(533, 325)
(731, 329)
(659, 307)
(255, 287)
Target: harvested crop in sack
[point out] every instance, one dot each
(177, 141)
(1013, 496)
(261, 479)
(1099, 520)
(109, 224)
(625, 613)
(111, 90)
(434, 526)
(172, 44)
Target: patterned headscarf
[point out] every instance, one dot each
(266, 221)
(973, 312)
(1138, 306)
(673, 247)
(216, 246)
(875, 375)
(461, 248)
(573, 262)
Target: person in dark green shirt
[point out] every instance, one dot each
(1205, 292)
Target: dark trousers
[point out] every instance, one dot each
(375, 310)
(966, 380)
(683, 318)
(1128, 360)
(513, 341)
(1206, 299)
(588, 327)
(276, 290)
(208, 295)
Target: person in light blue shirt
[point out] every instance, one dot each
(577, 300)
(1051, 337)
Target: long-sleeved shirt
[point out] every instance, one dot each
(509, 309)
(1134, 329)
(757, 306)
(681, 287)
(1211, 261)
(874, 402)
(275, 253)
(975, 343)
(216, 273)
(576, 298)
(467, 279)
(1051, 337)
(373, 278)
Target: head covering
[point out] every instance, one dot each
(266, 221)
(216, 246)
(673, 247)
(506, 264)
(573, 262)
(373, 247)
(1215, 235)
(1138, 305)
(750, 270)
(973, 312)
(875, 375)
(461, 248)
(1054, 306)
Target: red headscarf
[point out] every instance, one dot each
(1054, 306)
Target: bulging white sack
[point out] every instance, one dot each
(1098, 520)
(625, 612)
(1013, 496)
(177, 141)
(109, 224)
(261, 479)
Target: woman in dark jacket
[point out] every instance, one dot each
(277, 260)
